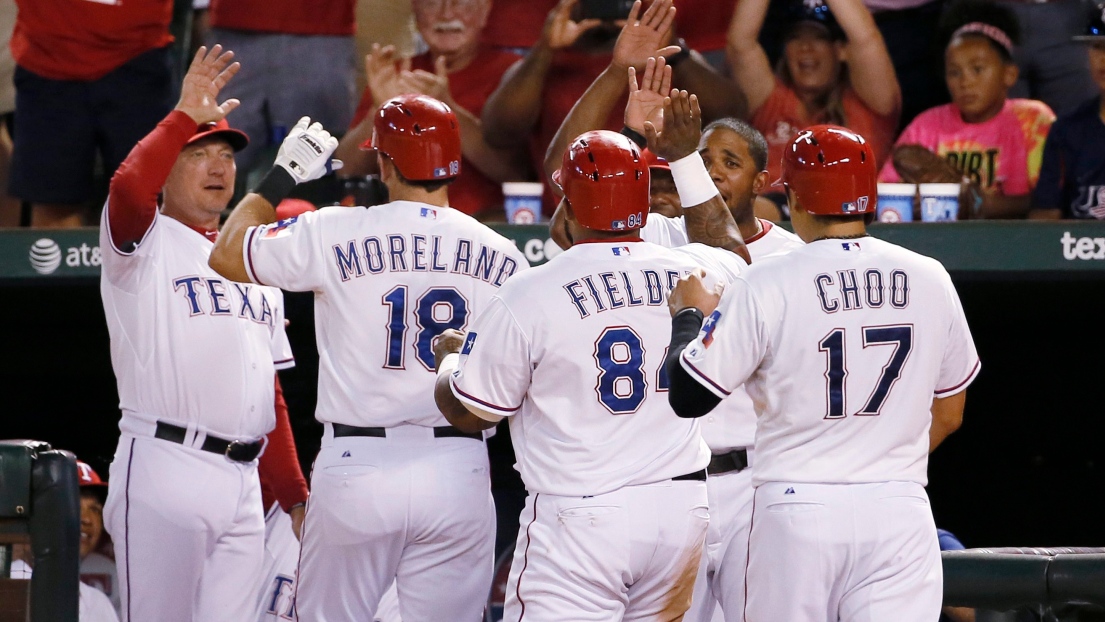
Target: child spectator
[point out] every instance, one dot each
(1072, 178)
(458, 70)
(996, 143)
(834, 69)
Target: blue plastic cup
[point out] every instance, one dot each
(896, 202)
(522, 200)
(939, 202)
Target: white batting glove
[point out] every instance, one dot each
(306, 151)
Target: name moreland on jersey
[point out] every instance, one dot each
(410, 270)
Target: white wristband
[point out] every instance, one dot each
(448, 364)
(692, 180)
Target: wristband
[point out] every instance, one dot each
(679, 56)
(277, 184)
(448, 364)
(632, 134)
(692, 180)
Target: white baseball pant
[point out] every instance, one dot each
(843, 552)
(188, 532)
(410, 508)
(631, 554)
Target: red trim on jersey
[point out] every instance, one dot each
(279, 465)
(525, 558)
(765, 226)
(132, 199)
(970, 377)
(481, 402)
(701, 375)
(610, 240)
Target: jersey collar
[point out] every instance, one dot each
(619, 240)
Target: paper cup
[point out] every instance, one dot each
(896, 202)
(939, 202)
(522, 200)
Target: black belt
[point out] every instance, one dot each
(699, 476)
(234, 450)
(736, 460)
(445, 431)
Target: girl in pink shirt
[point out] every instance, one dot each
(994, 142)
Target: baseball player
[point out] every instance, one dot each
(397, 493)
(856, 354)
(195, 357)
(571, 353)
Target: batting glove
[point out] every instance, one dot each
(306, 151)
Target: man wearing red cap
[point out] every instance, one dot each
(195, 357)
(856, 354)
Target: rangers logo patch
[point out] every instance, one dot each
(469, 342)
(278, 229)
(708, 327)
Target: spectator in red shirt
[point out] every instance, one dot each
(91, 78)
(298, 59)
(458, 70)
(829, 73)
(569, 56)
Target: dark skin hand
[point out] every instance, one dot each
(710, 223)
(451, 408)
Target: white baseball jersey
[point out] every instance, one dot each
(733, 423)
(95, 606)
(595, 316)
(843, 344)
(387, 281)
(188, 345)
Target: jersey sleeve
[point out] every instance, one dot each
(282, 357)
(289, 253)
(718, 263)
(960, 364)
(664, 231)
(494, 371)
(732, 343)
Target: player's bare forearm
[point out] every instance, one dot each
(497, 164)
(719, 96)
(454, 410)
(589, 113)
(711, 223)
(947, 416)
(226, 257)
(512, 109)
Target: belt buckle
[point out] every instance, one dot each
(230, 448)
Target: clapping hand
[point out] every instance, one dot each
(207, 75)
(383, 73)
(560, 31)
(646, 103)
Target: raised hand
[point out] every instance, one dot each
(306, 151)
(560, 31)
(682, 127)
(434, 84)
(646, 103)
(643, 38)
(383, 73)
(207, 75)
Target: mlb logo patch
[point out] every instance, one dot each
(279, 229)
(429, 212)
(617, 225)
(620, 250)
(469, 342)
(708, 328)
(860, 205)
(440, 172)
(850, 246)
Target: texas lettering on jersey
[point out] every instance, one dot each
(420, 253)
(216, 297)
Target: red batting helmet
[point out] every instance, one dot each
(420, 135)
(605, 179)
(831, 171)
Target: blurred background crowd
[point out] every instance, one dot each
(1002, 97)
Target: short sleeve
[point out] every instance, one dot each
(718, 263)
(288, 254)
(494, 370)
(664, 231)
(282, 357)
(1036, 124)
(960, 363)
(1048, 193)
(732, 343)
